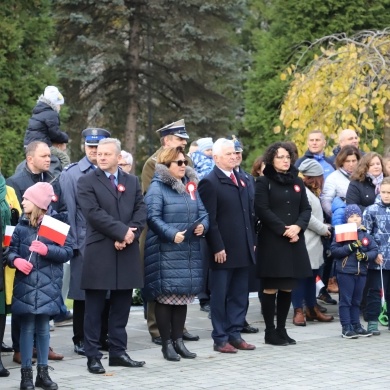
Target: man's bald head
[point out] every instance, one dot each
(348, 137)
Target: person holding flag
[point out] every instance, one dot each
(9, 214)
(38, 261)
(353, 248)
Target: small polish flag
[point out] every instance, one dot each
(9, 231)
(53, 229)
(346, 232)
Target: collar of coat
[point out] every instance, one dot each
(163, 175)
(48, 102)
(282, 178)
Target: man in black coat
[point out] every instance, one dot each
(68, 180)
(112, 203)
(231, 241)
(36, 169)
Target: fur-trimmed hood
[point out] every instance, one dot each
(162, 174)
(48, 102)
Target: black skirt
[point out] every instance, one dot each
(279, 283)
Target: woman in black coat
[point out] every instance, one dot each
(282, 206)
(365, 181)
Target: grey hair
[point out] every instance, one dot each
(127, 157)
(114, 141)
(221, 143)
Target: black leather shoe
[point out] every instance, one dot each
(6, 348)
(249, 329)
(205, 307)
(157, 340)
(94, 366)
(124, 361)
(79, 348)
(190, 337)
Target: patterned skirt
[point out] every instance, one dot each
(174, 299)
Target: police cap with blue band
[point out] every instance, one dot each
(93, 135)
(176, 128)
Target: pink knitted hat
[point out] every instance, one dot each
(40, 194)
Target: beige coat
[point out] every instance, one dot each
(314, 231)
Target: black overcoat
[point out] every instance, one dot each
(280, 200)
(230, 218)
(109, 213)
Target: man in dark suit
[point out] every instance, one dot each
(68, 181)
(231, 240)
(112, 203)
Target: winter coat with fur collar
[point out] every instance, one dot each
(172, 268)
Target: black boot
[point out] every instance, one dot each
(3, 370)
(43, 379)
(169, 351)
(273, 337)
(182, 350)
(27, 379)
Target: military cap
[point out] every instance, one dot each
(176, 128)
(93, 135)
(237, 144)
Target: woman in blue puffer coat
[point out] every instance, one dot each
(38, 282)
(173, 261)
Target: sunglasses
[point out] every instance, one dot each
(181, 162)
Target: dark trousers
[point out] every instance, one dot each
(228, 302)
(305, 291)
(78, 321)
(120, 302)
(350, 295)
(374, 287)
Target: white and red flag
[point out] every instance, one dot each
(53, 229)
(346, 232)
(9, 231)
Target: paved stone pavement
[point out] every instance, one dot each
(320, 360)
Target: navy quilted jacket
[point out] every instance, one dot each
(172, 268)
(39, 292)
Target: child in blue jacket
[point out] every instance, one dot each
(377, 220)
(352, 259)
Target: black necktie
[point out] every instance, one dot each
(112, 180)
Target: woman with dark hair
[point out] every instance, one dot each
(366, 181)
(258, 167)
(283, 208)
(336, 184)
(173, 261)
(313, 178)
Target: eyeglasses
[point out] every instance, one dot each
(283, 157)
(181, 162)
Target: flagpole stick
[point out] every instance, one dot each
(29, 258)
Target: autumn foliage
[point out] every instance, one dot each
(347, 85)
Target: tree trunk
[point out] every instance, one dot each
(134, 49)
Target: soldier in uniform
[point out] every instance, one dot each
(171, 136)
(68, 181)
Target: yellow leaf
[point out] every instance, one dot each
(366, 149)
(277, 129)
(283, 76)
(374, 143)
